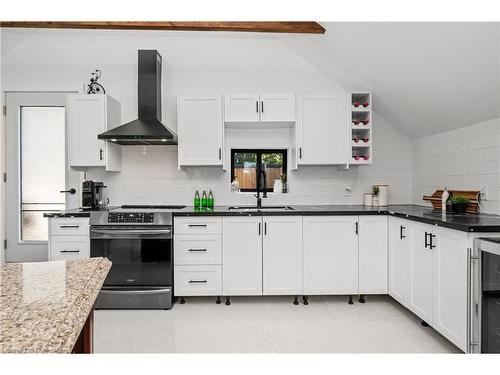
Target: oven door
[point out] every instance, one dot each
(141, 255)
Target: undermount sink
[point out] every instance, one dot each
(264, 208)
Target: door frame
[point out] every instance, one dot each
(39, 249)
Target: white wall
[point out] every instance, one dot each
(465, 158)
(195, 63)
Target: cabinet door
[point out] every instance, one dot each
(322, 130)
(399, 260)
(373, 258)
(420, 302)
(241, 108)
(282, 255)
(86, 119)
(277, 107)
(330, 255)
(200, 130)
(242, 256)
(450, 286)
(69, 247)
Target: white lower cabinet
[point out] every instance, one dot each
(282, 255)
(330, 246)
(373, 255)
(420, 297)
(203, 280)
(69, 238)
(242, 256)
(399, 260)
(450, 286)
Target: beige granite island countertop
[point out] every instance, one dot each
(44, 305)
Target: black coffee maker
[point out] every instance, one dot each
(92, 195)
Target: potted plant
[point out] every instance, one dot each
(375, 190)
(459, 204)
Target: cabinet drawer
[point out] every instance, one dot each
(198, 225)
(197, 249)
(197, 281)
(69, 247)
(69, 226)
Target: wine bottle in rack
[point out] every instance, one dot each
(356, 121)
(366, 104)
(355, 139)
(365, 122)
(365, 140)
(356, 104)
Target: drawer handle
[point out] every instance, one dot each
(197, 250)
(70, 251)
(197, 225)
(197, 281)
(69, 226)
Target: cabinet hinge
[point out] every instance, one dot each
(5, 244)
(4, 110)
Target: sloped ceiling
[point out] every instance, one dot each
(426, 77)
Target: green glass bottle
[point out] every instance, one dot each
(204, 199)
(197, 199)
(210, 199)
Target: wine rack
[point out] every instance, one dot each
(360, 119)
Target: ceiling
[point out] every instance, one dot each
(426, 77)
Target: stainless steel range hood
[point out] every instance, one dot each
(148, 128)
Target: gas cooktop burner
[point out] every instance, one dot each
(153, 207)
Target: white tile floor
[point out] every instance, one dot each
(268, 324)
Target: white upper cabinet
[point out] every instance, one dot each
(277, 107)
(330, 255)
(399, 260)
(373, 257)
(200, 130)
(259, 108)
(88, 116)
(282, 255)
(322, 128)
(242, 108)
(420, 297)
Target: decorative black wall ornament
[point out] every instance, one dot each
(94, 87)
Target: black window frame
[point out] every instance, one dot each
(259, 152)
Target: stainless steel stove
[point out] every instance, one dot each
(138, 241)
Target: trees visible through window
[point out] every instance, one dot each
(247, 165)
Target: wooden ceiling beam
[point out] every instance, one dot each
(259, 27)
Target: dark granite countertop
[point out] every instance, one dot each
(463, 222)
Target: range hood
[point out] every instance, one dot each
(148, 128)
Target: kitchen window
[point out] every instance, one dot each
(247, 164)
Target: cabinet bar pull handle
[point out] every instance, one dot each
(257, 106)
(262, 106)
(197, 281)
(197, 225)
(220, 153)
(69, 226)
(265, 229)
(197, 250)
(69, 251)
(426, 244)
(431, 245)
(401, 228)
(300, 152)
(357, 227)
(100, 154)
(259, 229)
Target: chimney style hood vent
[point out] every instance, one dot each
(148, 128)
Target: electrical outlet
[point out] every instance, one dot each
(348, 191)
(484, 192)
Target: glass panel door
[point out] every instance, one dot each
(490, 306)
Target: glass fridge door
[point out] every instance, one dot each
(490, 303)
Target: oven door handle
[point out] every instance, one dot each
(131, 231)
(138, 291)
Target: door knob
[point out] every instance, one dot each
(70, 191)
